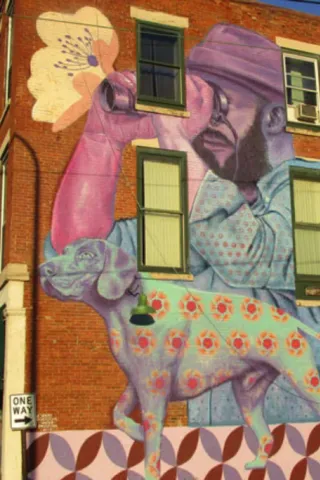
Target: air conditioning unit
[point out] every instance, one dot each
(307, 113)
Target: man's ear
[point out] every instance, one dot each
(274, 119)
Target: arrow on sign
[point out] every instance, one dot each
(24, 420)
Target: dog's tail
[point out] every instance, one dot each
(306, 329)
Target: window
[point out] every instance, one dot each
(4, 159)
(301, 78)
(162, 211)
(160, 65)
(305, 188)
(9, 12)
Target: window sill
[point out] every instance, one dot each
(159, 17)
(308, 303)
(303, 129)
(188, 277)
(162, 110)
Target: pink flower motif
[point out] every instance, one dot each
(158, 382)
(208, 343)
(296, 344)
(159, 301)
(154, 464)
(191, 307)
(222, 308)
(150, 424)
(265, 446)
(251, 309)
(279, 315)
(192, 382)
(143, 342)
(267, 344)
(115, 341)
(312, 381)
(221, 376)
(238, 343)
(176, 342)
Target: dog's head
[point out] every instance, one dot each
(88, 264)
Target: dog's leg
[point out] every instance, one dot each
(250, 400)
(124, 407)
(153, 413)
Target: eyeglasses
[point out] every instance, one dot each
(220, 105)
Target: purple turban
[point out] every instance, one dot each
(242, 56)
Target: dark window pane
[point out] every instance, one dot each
(147, 84)
(305, 68)
(298, 81)
(167, 80)
(299, 96)
(160, 82)
(146, 47)
(159, 47)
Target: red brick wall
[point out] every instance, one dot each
(77, 380)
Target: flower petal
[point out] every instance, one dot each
(54, 25)
(72, 114)
(55, 81)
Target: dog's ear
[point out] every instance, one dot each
(118, 273)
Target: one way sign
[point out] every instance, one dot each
(23, 411)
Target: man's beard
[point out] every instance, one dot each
(252, 161)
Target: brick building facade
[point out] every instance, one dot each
(64, 354)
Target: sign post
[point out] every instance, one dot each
(23, 411)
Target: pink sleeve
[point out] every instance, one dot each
(84, 204)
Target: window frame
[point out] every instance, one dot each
(166, 156)
(303, 281)
(4, 186)
(310, 57)
(159, 101)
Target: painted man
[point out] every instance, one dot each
(238, 169)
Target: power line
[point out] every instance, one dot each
(122, 29)
(304, 1)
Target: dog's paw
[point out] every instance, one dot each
(255, 464)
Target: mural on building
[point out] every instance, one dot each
(199, 341)
(237, 319)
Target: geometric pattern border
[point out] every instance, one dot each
(206, 453)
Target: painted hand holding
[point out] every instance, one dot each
(118, 96)
(122, 123)
(199, 105)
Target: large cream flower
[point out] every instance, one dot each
(80, 52)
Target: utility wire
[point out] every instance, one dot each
(98, 27)
(304, 1)
(194, 179)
